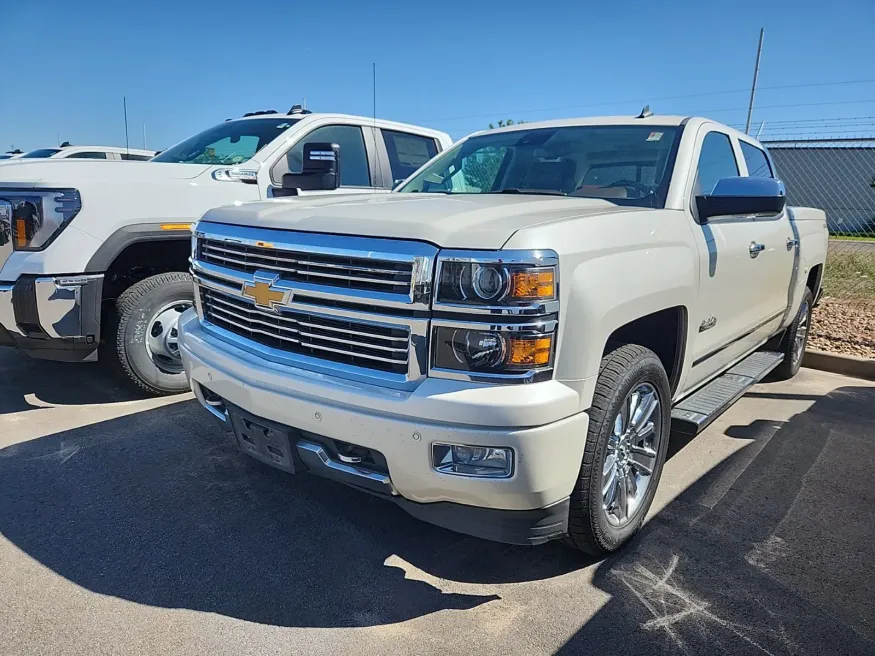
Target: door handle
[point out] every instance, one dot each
(792, 243)
(755, 248)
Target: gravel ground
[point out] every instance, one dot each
(847, 328)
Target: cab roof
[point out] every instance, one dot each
(654, 120)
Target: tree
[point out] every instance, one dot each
(504, 124)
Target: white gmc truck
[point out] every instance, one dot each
(94, 254)
(502, 344)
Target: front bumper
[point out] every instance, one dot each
(540, 422)
(52, 317)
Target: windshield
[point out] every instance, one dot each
(232, 142)
(626, 164)
(41, 153)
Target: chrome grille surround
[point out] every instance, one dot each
(363, 330)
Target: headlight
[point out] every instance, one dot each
(509, 352)
(497, 279)
(39, 215)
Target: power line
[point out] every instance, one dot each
(679, 97)
(817, 104)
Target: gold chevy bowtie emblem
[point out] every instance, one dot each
(261, 291)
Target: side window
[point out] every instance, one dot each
(88, 155)
(407, 152)
(354, 170)
(716, 161)
(136, 158)
(756, 160)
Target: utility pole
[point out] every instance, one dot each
(756, 74)
(144, 136)
(127, 145)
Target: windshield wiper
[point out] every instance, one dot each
(533, 192)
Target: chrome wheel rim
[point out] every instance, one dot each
(801, 333)
(162, 337)
(630, 458)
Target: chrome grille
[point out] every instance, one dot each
(358, 273)
(362, 344)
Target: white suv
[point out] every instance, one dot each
(94, 255)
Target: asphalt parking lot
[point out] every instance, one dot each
(135, 526)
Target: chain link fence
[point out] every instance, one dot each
(823, 167)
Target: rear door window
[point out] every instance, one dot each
(756, 161)
(407, 152)
(88, 155)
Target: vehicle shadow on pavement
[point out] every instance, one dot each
(27, 382)
(771, 552)
(160, 508)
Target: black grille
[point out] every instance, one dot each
(345, 272)
(328, 338)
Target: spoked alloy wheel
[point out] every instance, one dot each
(801, 337)
(631, 455)
(625, 448)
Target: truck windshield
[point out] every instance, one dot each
(625, 164)
(41, 153)
(232, 142)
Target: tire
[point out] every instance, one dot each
(792, 349)
(627, 369)
(126, 348)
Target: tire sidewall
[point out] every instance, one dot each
(794, 328)
(646, 370)
(134, 327)
(789, 368)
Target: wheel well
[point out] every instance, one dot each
(143, 259)
(815, 277)
(663, 332)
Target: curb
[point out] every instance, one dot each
(848, 365)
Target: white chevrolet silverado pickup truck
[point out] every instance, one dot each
(503, 344)
(94, 254)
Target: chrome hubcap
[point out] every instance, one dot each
(801, 333)
(162, 337)
(631, 455)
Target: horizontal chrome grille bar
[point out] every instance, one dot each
(352, 272)
(325, 265)
(280, 334)
(301, 322)
(385, 347)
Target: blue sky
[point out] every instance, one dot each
(451, 65)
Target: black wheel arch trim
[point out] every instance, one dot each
(118, 241)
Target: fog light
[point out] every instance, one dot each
(481, 461)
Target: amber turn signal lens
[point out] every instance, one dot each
(532, 284)
(20, 233)
(530, 352)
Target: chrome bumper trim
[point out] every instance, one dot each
(7, 313)
(318, 461)
(59, 304)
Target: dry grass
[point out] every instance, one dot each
(850, 275)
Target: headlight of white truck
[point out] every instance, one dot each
(495, 316)
(39, 215)
(498, 279)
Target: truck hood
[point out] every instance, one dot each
(69, 172)
(462, 221)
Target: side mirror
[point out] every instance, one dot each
(320, 170)
(742, 196)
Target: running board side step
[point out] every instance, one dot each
(693, 414)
